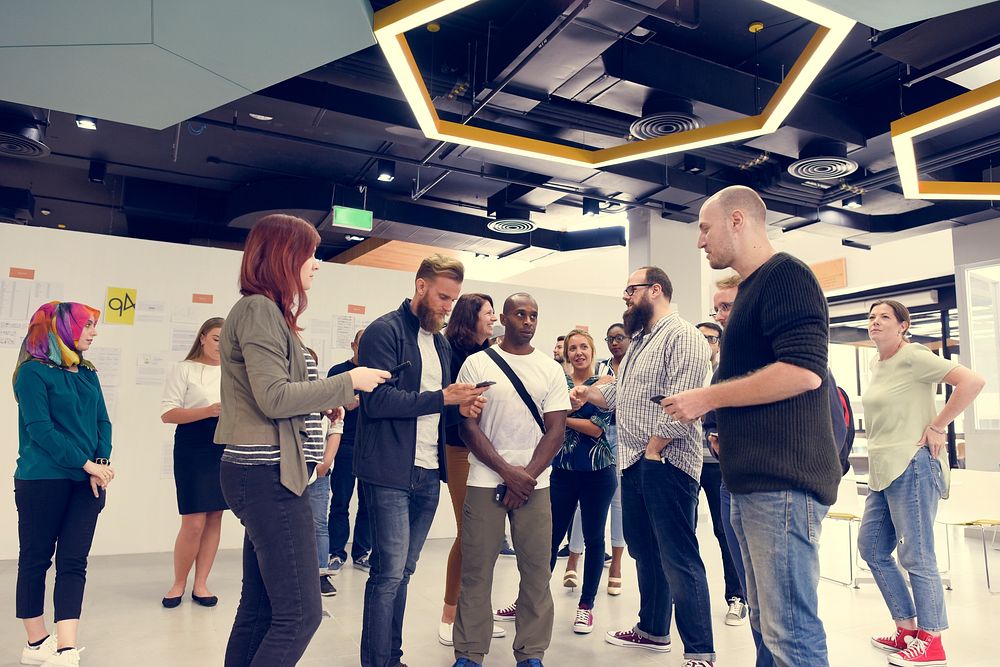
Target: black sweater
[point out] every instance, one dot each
(780, 314)
(459, 353)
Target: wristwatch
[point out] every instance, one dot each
(102, 462)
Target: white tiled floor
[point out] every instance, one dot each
(124, 623)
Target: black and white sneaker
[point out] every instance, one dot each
(738, 611)
(326, 589)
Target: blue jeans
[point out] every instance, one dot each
(901, 518)
(280, 606)
(764, 658)
(400, 520)
(779, 532)
(319, 499)
(592, 490)
(342, 488)
(659, 503)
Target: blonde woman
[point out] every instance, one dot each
(191, 401)
(583, 472)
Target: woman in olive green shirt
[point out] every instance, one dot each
(908, 475)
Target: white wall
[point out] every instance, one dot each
(141, 515)
(977, 244)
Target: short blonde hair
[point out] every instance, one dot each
(731, 281)
(441, 265)
(590, 341)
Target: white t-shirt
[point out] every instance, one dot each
(427, 425)
(506, 420)
(191, 384)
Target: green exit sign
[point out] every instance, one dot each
(355, 219)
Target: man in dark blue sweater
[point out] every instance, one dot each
(342, 487)
(779, 460)
(399, 453)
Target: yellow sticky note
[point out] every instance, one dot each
(119, 306)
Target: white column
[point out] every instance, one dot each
(672, 246)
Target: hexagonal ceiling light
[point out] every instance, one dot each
(392, 22)
(906, 130)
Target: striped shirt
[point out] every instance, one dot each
(250, 455)
(314, 443)
(672, 357)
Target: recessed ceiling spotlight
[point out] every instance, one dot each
(853, 202)
(591, 206)
(386, 171)
(352, 237)
(45, 211)
(86, 123)
(61, 226)
(261, 117)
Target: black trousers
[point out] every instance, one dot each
(280, 606)
(54, 516)
(711, 481)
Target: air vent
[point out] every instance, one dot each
(511, 226)
(22, 137)
(663, 115)
(823, 160)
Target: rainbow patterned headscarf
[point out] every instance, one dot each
(53, 333)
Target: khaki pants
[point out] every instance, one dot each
(482, 535)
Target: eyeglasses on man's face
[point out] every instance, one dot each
(614, 339)
(724, 307)
(712, 340)
(630, 289)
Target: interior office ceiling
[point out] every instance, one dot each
(886, 14)
(588, 73)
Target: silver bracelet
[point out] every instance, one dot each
(937, 430)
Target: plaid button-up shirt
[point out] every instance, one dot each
(672, 357)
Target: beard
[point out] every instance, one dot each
(429, 320)
(637, 316)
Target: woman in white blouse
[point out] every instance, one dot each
(191, 400)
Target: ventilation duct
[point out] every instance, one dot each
(823, 160)
(663, 115)
(22, 136)
(16, 206)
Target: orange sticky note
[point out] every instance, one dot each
(355, 309)
(202, 298)
(27, 274)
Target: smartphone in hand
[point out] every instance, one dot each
(500, 493)
(485, 383)
(656, 399)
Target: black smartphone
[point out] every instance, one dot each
(394, 371)
(657, 399)
(501, 493)
(485, 383)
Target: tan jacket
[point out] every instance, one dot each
(266, 392)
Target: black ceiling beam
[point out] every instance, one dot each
(684, 75)
(523, 33)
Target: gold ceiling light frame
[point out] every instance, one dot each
(905, 131)
(392, 22)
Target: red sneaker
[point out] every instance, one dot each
(506, 614)
(631, 638)
(924, 650)
(895, 642)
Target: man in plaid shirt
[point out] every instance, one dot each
(660, 460)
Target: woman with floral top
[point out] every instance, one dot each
(583, 472)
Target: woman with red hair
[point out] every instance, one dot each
(63, 469)
(266, 399)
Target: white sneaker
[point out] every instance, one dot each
(39, 654)
(446, 633)
(738, 611)
(68, 658)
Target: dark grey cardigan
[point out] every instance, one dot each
(266, 392)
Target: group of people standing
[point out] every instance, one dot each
(518, 438)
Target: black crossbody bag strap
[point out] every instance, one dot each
(518, 386)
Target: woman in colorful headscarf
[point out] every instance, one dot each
(63, 469)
